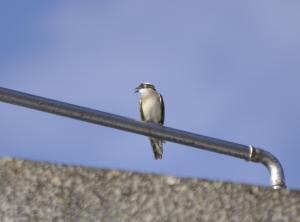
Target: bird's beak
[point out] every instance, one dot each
(137, 89)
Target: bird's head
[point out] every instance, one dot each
(145, 87)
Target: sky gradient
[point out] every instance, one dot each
(228, 70)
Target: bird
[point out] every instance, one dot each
(152, 110)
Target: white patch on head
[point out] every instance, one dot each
(145, 91)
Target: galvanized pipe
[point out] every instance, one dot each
(248, 153)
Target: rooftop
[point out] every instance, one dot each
(34, 191)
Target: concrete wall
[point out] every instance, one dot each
(31, 191)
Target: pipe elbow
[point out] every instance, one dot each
(271, 163)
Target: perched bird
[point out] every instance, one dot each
(152, 110)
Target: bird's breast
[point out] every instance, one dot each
(152, 109)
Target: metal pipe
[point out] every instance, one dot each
(272, 164)
(248, 153)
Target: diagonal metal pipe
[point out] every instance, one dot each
(248, 153)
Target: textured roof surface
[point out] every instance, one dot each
(31, 191)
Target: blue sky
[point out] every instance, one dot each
(228, 70)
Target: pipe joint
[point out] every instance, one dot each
(271, 163)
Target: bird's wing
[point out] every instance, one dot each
(141, 110)
(162, 119)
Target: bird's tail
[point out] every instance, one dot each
(157, 146)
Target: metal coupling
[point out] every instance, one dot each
(277, 179)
